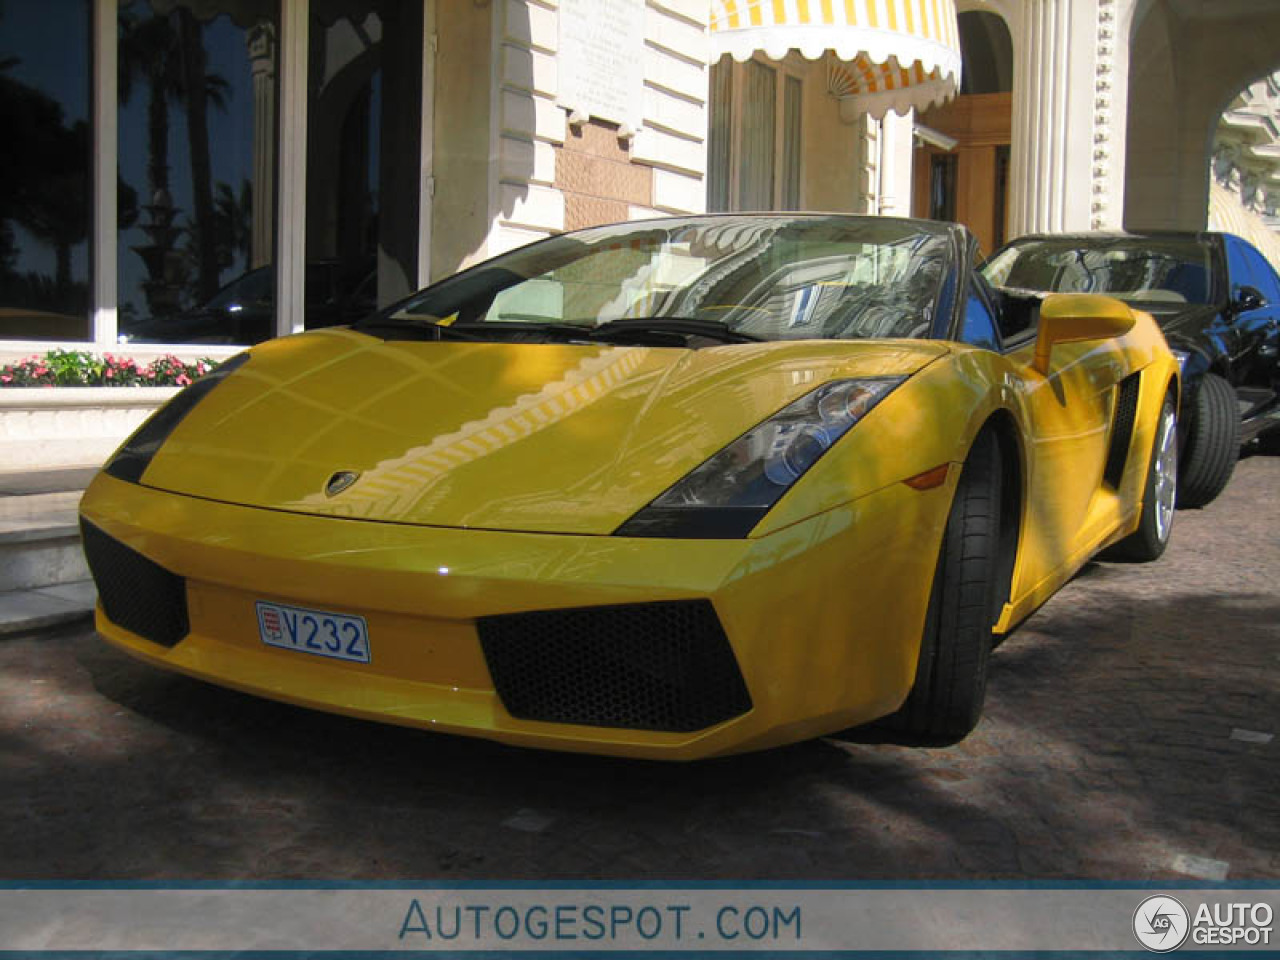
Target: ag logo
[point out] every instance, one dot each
(339, 482)
(1161, 923)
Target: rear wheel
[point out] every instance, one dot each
(951, 675)
(1158, 497)
(1213, 442)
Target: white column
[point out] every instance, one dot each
(103, 241)
(291, 205)
(427, 185)
(895, 164)
(1053, 116)
(263, 54)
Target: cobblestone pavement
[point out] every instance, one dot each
(1125, 738)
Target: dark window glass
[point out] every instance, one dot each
(197, 116)
(363, 148)
(1002, 194)
(1260, 274)
(979, 325)
(1238, 270)
(942, 186)
(45, 203)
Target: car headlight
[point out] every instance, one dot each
(729, 493)
(132, 459)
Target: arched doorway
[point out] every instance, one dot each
(1187, 61)
(961, 167)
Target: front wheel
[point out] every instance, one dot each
(1158, 496)
(1212, 443)
(951, 675)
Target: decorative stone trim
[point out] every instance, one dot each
(44, 427)
(1104, 72)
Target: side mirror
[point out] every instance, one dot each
(1248, 298)
(1072, 317)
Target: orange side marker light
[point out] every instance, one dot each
(934, 477)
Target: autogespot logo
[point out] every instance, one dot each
(1161, 923)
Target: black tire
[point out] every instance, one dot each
(1147, 543)
(1212, 445)
(945, 702)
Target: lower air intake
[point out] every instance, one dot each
(644, 666)
(136, 593)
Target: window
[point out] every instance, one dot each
(44, 170)
(364, 104)
(778, 278)
(755, 139)
(1138, 269)
(197, 160)
(979, 328)
(942, 186)
(1249, 267)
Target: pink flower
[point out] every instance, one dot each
(183, 380)
(41, 371)
(6, 379)
(110, 373)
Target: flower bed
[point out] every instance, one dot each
(79, 368)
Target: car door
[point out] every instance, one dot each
(1069, 413)
(1257, 329)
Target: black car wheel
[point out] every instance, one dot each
(1158, 495)
(1213, 442)
(951, 675)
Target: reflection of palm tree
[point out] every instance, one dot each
(167, 52)
(147, 52)
(45, 177)
(234, 216)
(200, 90)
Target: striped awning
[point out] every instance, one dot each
(882, 54)
(1228, 215)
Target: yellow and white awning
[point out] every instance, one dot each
(882, 54)
(1228, 215)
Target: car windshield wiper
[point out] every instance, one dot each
(549, 328)
(683, 326)
(428, 328)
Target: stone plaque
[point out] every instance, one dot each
(602, 60)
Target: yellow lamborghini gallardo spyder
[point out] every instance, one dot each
(665, 489)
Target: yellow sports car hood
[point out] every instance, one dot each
(551, 438)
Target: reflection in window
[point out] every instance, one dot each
(44, 170)
(363, 145)
(197, 122)
(1158, 270)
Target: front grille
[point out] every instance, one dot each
(644, 666)
(1121, 430)
(136, 593)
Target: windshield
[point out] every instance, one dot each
(1172, 270)
(766, 278)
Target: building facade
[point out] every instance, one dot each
(208, 173)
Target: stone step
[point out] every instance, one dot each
(40, 540)
(22, 611)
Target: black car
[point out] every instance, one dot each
(1218, 301)
(244, 310)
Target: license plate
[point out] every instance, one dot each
(318, 632)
